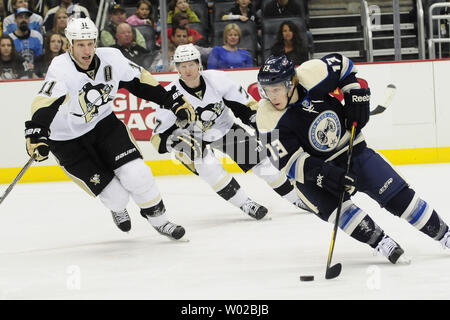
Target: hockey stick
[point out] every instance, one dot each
(389, 93)
(17, 178)
(334, 271)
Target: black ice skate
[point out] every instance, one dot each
(171, 230)
(254, 209)
(122, 220)
(392, 250)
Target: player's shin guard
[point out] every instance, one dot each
(115, 198)
(278, 182)
(409, 206)
(360, 226)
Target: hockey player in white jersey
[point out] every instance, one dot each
(72, 117)
(213, 96)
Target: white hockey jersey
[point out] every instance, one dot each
(214, 117)
(76, 100)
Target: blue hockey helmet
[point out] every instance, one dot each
(276, 69)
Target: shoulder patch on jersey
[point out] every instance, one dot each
(311, 73)
(267, 116)
(325, 131)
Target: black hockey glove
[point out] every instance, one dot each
(333, 179)
(181, 108)
(357, 107)
(184, 141)
(36, 140)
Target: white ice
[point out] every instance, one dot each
(56, 242)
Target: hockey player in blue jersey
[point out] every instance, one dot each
(308, 134)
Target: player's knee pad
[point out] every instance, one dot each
(267, 171)
(211, 170)
(409, 206)
(114, 196)
(137, 178)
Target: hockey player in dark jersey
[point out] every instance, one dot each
(72, 117)
(312, 136)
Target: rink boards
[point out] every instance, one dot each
(415, 129)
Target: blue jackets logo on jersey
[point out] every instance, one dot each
(325, 131)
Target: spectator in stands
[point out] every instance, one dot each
(59, 25)
(229, 56)
(143, 15)
(2, 15)
(129, 48)
(72, 9)
(182, 19)
(9, 24)
(181, 36)
(53, 46)
(242, 10)
(12, 66)
(118, 15)
(28, 42)
(176, 6)
(158, 65)
(283, 8)
(290, 43)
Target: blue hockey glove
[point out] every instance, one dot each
(334, 179)
(357, 107)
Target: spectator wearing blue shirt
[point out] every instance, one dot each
(9, 24)
(229, 56)
(28, 42)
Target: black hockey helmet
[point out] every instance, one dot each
(276, 69)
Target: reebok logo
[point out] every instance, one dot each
(361, 98)
(319, 180)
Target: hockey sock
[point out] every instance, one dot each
(156, 215)
(368, 231)
(409, 206)
(356, 223)
(114, 196)
(276, 180)
(233, 193)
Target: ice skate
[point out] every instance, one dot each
(122, 220)
(171, 230)
(445, 241)
(300, 204)
(254, 209)
(392, 250)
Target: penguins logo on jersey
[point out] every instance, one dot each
(208, 115)
(325, 131)
(91, 98)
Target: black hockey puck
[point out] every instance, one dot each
(306, 278)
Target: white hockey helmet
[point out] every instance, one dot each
(81, 29)
(187, 52)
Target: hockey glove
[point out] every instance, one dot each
(36, 140)
(357, 107)
(184, 141)
(333, 179)
(181, 108)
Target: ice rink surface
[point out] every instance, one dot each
(56, 242)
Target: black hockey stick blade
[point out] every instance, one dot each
(333, 271)
(387, 99)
